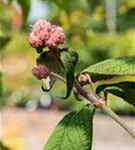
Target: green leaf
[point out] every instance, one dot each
(73, 131)
(116, 76)
(69, 59)
(25, 6)
(125, 90)
(113, 67)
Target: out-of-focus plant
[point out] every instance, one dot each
(126, 14)
(24, 5)
(5, 28)
(3, 147)
(93, 84)
(86, 22)
(95, 12)
(5, 37)
(10, 22)
(1, 89)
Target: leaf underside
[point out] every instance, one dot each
(124, 90)
(74, 132)
(115, 76)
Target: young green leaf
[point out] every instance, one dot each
(69, 59)
(116, 76)
(73, 131)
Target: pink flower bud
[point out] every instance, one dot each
(83, 78)
(44, 34)
(40, 72)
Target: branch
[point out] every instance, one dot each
(97, 103)
(118, 120)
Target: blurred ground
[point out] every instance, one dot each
(25, 130)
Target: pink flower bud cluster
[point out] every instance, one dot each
(40, 72)
(45, 34)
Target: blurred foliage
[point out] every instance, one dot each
(24, 5)
(7, 13)
(126, 14)
(3, 147)
(5, 27)
(85, 21)
(110, 46)
(91, 13)
(1, 89)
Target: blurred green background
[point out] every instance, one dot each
(96, 29)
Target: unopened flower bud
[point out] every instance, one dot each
(83, 78)
(40, 72)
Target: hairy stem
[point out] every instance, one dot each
(98, 103)
(115, 117)
(58, 77)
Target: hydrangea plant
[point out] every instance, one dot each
(115, 76)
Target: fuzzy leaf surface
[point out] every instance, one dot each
(74, 132)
